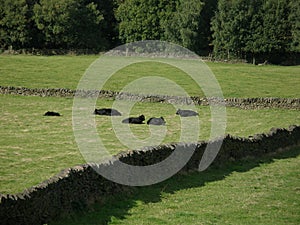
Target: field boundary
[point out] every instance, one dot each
(244, 103)
(78, 187)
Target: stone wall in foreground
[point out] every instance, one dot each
(244, 103)
(78, 187)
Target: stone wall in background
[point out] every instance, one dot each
(78, 187)
(244, 103)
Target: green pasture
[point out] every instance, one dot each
(43, 71)
(257, 191)
(34, 148)
(236, 80)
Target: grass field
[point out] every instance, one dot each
(34, 148)
(264, 191)
(43, 71)
(236, 80)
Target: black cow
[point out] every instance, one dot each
(156, 121)
(49, 113)
(186, 113)
(107, 112)
(135, 120)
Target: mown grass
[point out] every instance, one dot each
(253, 191)
(236, 80)
(34, 148)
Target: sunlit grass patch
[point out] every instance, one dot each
(34, 147)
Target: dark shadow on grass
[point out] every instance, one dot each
(119, 206)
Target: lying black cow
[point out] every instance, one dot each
(135, 120)
(186, 113)
(156, 121)
(51, 114)
(107, 112)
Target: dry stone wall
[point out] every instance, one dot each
(244, 103)
(78, 187)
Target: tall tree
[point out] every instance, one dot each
(260, 28)
(69, 23)
(35, 36)
(141, 19)
(178, 21)
(255, 28)
(13, 24)
(277, 28)
(221, 26)
(183, 27)
(109, 24)
(205, 33)
(52, 18)
(294, 19)
(86, 26)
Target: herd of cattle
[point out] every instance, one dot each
(134, 120)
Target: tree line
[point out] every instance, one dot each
(54, 24)
(256, 29)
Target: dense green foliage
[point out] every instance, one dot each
(257, 30)
(183, 22)
(62, 23)
(294, 17)
(57, 24)
(141, 20)
(183, 26)
(13, 20)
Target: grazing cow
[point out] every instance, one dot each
(135, 120)
(156, 121)
(107, 112)
(51, 114)
(186, 113)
